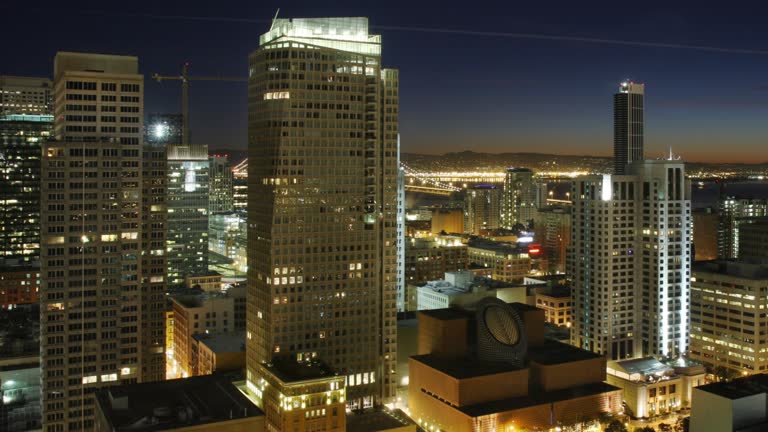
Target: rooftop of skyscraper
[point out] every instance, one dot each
(168, 405)
(289, 369)
(345, 34)
(379, 420)
(738, 388)
(739, 269)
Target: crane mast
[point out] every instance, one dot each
(185, 78)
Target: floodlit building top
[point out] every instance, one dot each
(344, 34)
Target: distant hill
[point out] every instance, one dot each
(469, 160)
(457, 161)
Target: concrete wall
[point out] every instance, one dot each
(749, 410)
(710, 412)
(493, 387)
(566, 375)
(442, 336)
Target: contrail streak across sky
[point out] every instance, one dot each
(465, 32)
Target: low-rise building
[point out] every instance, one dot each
(492, 369)
(300, 395)
(221, 352)
(654, 388)
(20, 405)
(728, 317)
(556, 303)
(738, 406)
(210, 281)
(429, 258)
(197, 404)
(462, 288)
(510, 262)
(19, 285)
(197, 313)
(448, 220)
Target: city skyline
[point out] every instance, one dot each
(526, 102)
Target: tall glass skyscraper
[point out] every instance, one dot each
(188, 188)
(628, 125)
(323, 203)
(26, 121)
(21, 139)
(221, 185)
(518, 200)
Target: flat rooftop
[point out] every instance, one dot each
(463, 368)
(223, 342)
(377, 421)
(173, 404)
(738, 269)
(497, 246)
(522, 307)
(540, 398)
(447, 314)
(288, 370)
(553, 352)
(738, 388)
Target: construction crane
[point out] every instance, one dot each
(185, 79)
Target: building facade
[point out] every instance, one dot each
(222, 187)
(631, 242)
(194, 314)
(25, 95)
(240, 185)
(188, 195)
(469, 375)
(628, 125)
(322, 210)
(753, 239)
(448, 221)
(705, 234)
(728, 317)
(653, 388)
(553, 231)
(227, 236)
(102, 317)
(556, 303)
(429, 258)
(518, 201)
(19, 285)
(733, 213)
(26, 121)
(21, 139)
(483, 208)
(509, 262)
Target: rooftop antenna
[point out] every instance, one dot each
(274, 19)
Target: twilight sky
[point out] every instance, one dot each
(471, 85)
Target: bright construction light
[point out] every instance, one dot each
(161, 130)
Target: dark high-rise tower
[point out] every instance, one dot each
(322, 210)
(628, 125)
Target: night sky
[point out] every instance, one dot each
(460, 90)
